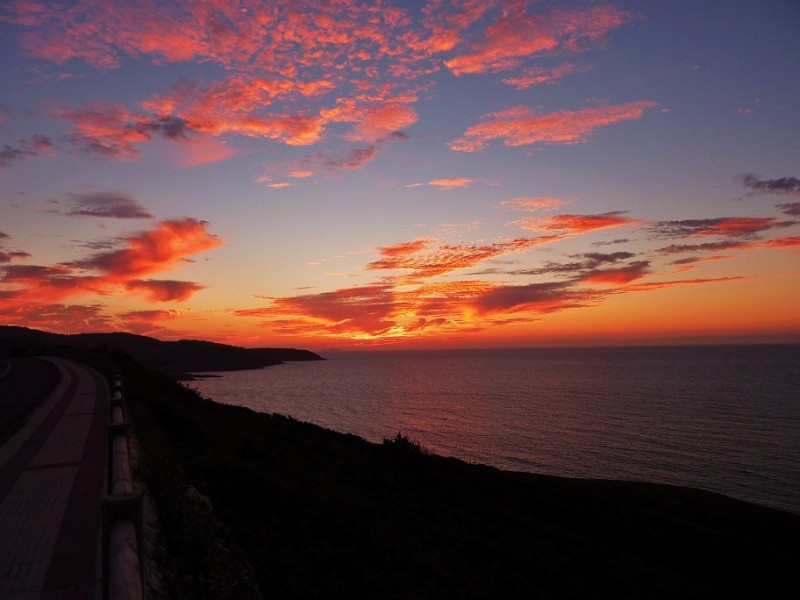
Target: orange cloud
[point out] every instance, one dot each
(644, 287)
(521, 126)
(427, 262)
(452, 183)
(364, 309)
(536, 203)
(105, 129)
(202, 151)
(538, 75)
(153, 251)
(537, 298)
(782, 242)
(146, 322)
(517, 35)
(59, 318)
(575, 224)
(380, 121)
(237, 105)
(144, 254)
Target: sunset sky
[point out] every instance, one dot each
(334, 174)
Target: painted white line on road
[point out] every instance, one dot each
(4, 371)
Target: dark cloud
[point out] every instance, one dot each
(111, 131)
(164, 290)
(99, 245)
(601, 258)
(618, 276)
(9, 256)
(723, 226)
(114, 205)
(782, 185)
(686, 261)
(592, 260)
(170, 127)
(612, 242)
(37, 143)
(536, 297)
(10, 155)
(26, 147)
(705, 247)
(790, 208)
(354, 159)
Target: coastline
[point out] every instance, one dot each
(317, 511)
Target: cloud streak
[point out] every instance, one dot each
(522, 126)
(783, 185)
(114, 205)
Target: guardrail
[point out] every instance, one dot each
(122, 510)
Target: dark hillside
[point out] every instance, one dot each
(315, 513)
(177, 358)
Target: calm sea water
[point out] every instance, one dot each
(725, 419)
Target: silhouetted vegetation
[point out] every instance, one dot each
(301, 511)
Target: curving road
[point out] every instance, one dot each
(52, 479)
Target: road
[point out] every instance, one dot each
(52, 480)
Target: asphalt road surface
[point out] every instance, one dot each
(52, 480)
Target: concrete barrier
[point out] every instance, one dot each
(124, 576)
(122, 511)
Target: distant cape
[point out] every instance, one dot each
(179, 359)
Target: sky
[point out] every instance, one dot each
(415, 174)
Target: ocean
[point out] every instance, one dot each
(719, 418)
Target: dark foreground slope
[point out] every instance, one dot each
(317, 513)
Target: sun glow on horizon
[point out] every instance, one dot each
(379, 174)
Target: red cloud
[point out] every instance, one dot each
(618, 276)
(522, 126)
(446, 258)
(366, 309)
(575, 224)
(105, 129)
(516, 35)
(534, 204)
(534, 298)
(378, 122)
(164, 290)
(538, 75)
(742, 227)
(655, 285)
(153, 251)
(145, 322)
(237, 105)
(58, 318)
(146, 253)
